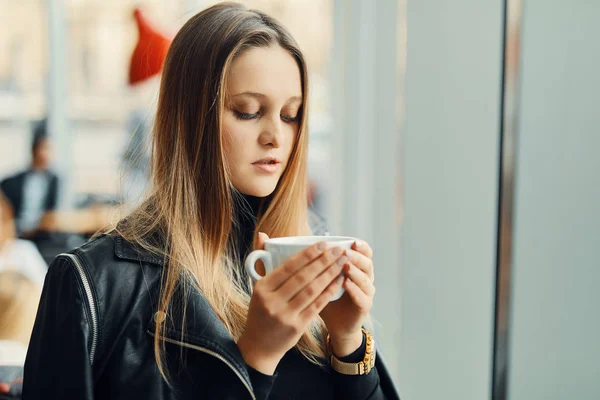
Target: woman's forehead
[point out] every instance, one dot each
(268, 71)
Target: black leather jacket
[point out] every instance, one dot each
(93, 337)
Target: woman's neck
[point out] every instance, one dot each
(251, 203)
(246, 211)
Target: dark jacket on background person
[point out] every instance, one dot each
(12, 187)
(94, 332)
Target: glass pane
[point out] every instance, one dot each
(554, 325)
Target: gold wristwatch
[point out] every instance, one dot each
(360, 368)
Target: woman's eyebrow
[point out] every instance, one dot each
(262, 96)
(250, 94)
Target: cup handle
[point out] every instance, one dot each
(251, 260)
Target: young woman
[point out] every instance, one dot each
(160, 307)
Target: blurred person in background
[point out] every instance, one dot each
(161, 307)
(19, 297)
(33, 192)
(18, 254)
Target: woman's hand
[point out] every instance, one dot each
(286, 301)
(344, 318)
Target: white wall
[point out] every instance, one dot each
(555, 330)
(450, 167)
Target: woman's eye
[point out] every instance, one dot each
(287, 118)
(245, 116)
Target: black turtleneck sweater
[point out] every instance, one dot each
(295, 376)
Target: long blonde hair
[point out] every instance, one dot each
(191, 203)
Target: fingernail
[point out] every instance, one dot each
(337, 251)
(342, 261)
(358, 244)
(321, 246)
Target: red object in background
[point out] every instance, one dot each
(4, 388)
(149, 53)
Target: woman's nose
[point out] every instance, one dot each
(271, 134)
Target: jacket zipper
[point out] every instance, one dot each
(214, 354)
(91, 303)
(88, 292)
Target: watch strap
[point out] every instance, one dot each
(360, 368)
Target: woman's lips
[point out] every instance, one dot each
(269, 167)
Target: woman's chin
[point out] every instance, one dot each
(257, 190)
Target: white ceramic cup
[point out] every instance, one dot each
(278, 250)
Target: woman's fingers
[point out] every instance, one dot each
(363, 248)
(294, 264)
(305, 285)
(316, 306)
(358, 296)
(262, 238)
(259, 266)
(360, 279)
(361, 261)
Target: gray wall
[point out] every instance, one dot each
(555, 331)
(450, 168)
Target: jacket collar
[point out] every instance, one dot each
(128, 251)
(203, 328)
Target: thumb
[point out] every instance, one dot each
(262, 237)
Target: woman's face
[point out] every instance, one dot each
(261, 117)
